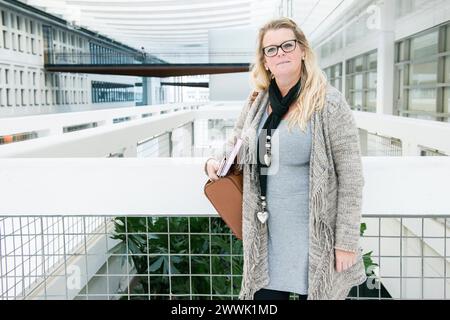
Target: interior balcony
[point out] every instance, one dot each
(109, 204)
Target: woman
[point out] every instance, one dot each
(302, 188)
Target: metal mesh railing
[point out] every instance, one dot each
(105, 257)
(31, 247)
(411, 255)
(378, 145)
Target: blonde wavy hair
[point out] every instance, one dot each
(313, 79)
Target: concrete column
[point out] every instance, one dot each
(146, 91)
(383, 19)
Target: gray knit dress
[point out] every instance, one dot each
(288, 205)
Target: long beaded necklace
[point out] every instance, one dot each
(280, 107)
(263, 215)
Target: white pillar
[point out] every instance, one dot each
(386, 50)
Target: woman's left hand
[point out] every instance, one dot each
(344, 259)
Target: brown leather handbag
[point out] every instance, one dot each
(225, 194)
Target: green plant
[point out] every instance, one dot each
(364, 290)
(367, 257)
(149, 245)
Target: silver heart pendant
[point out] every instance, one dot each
(267, 159)
(263, 216)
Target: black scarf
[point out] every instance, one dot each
(280, 106)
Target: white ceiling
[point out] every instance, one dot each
(182, 25)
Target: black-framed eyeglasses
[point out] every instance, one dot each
(287, 46)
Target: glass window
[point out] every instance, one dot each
(424, 46)
(362, 77)
(372, 60)
(357, 98)
(447, 100)
(358, 82)
(422, 99)
(33, 46)
(4, 18)
(334, 75)
(401, 51)
(447, 69)
(337, 70)
(5, 39)
(19, 41)
(337, 84)
(423, 73)
(358, 64)
(447, 41)
(423, 76)
(333, 82)
(372, 100)
(13, 39)
(372, 80)
(349, 66)
(8, 97)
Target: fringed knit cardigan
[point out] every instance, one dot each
(335, 196)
